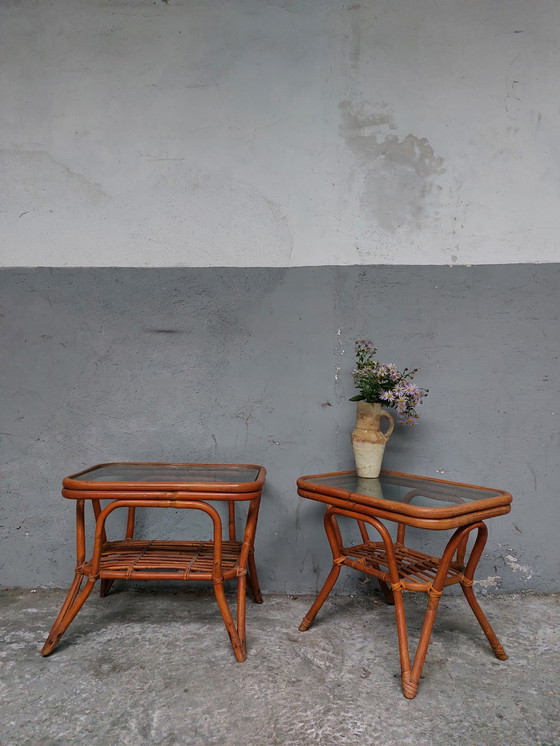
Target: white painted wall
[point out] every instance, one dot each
(254, 133)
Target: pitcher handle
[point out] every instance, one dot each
(387, 433)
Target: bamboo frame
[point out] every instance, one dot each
(215, 561)
(406, 568)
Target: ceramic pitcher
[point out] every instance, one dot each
(368, 439)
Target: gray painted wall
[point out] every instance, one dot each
(254, 365)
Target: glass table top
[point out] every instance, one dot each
(169, 473)
(401, 488)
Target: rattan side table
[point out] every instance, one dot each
(155, 485)
(407, 500)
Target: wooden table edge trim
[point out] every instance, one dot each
(429, 522)
(163, 495)
(502, 497)
(71, 482)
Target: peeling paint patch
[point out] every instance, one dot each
(339, 346)
(397, 174)
(490, 582)
(513, 564)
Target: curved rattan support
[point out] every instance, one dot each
(74, 600)
(410, 676)
(435, 590)
(248, 571)
(71, 606)
(385, 589)
(253, 579)
(107, 583)
(380, 576)
(467, 588)
(334, 536)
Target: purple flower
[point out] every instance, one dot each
(384, 383)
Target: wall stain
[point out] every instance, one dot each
(164, 331)
(43, 182)
(355, 39)
(397, 174)
(281, 217)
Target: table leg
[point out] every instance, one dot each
(411, 677)
(237, 643)
(385, 588)
(335, 540)
(495, 644)
(246, 572)
(107, 583)
(71, 606)
(467, 587)
(236, 636)
(309, 618)
(253, 578)
(105, 586)
(74, 598)
(241, 607)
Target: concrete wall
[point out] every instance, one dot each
(254, 365)
(278, 157)
(279, 133)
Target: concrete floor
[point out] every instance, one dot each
(154, 666)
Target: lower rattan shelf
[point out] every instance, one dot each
(413, 566)
(165, 560)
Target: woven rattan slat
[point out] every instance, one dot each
(190, 560)
(412, 565)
